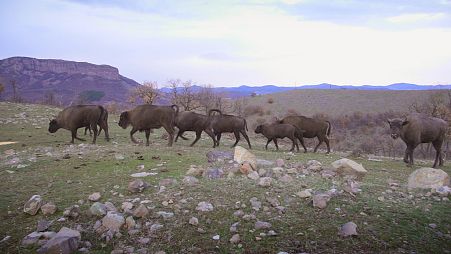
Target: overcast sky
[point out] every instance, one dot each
(231, 43)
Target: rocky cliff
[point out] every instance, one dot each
(35, 79)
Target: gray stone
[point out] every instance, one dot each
(320, 200)
(34, 237)
(256, 205)
(113, 221)
(137, 185)
(32, 205)
(235, 239)
(194, 221)
(253, 175)
(214, 156)
(98, 209)
(66, 241)
(286, 179)
(213, 173)
(48, 209)
(349, 168)
(265, 181)
(304, 193)
(43, 225)
(204, 207)
(72, 211)
(280, 163)
(348, 229)
(141, 211)
(190, 180)
(167, 182)
(95, 196)
(314, 165)
(195, 171)
(262, 225)
(428, 178)
(165, 215)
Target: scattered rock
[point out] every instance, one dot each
(119, 157)
(350, 168)
(165, 215)
(130, 223)
(167, 182)
(246, 168)
(304, 193)
(235, 239)
(286, 179)
(95, 196)
(242, 155)
(216, 237)
(238, 213)
(72, 211)
(110, 207)
(348, 229)
(291, 171)
(351, 186)
(428, 178)
(213, 173)
(48, 209)
(137, 185)
(34, 237)
(190, 180)
(194, 221)
(66, 241)
(43, 225)
(273, 201)
(127, 206)
(262, 225)
(314, 165)
(443, 190)
(280, 163)
(98, 209)
(320, 200)
(264, 163)
(144, 240)
(214, 156)
(141, 211)
(195, 171)
(265, 181)
(433, 225)
(143, 174)
(253, 175)
(113, 221)
(277, 171)
(32, 205)
(234, 226)
(204, 207)
(256, 205)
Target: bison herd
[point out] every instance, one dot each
(413, 130)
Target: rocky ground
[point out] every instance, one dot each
(119, 197)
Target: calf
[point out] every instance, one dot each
(191, 121)
(228, 123)
(276, 130)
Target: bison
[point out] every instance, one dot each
(105, 119)
(228, 123)
(148, 117)
(191, 121)
(74, 117)
(416, 129)
(276, 130)
(312, 128)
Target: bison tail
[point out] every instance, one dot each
(214, 110)
(245, 124)
(329, 127)
(175, 108)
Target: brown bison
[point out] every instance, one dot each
(416, 129)
(312, 128)
(276, 130)
(74, 117)
(191, 121)
(105, 119)
(148, 117)
(228, 123)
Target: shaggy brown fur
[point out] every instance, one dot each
(417, 129)
(228, 123)
(75, 117)
(312, 127)
(191, 121)
(276, 130)
(147, 117)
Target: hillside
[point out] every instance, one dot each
(339, 102)
(37, 78)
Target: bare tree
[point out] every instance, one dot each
(207, 98)
(183, 94)
(239, 105)
(148, 92)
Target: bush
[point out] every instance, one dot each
(253, 110)
(270, 100)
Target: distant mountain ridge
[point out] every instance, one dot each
(268, 89)
(36, 78)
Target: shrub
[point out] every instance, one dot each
(270, 100)
(253, 110)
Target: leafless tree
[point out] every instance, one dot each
(148, 92)
(239, 106)
(183, 94)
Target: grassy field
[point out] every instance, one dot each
(64, 174)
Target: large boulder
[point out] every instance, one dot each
(66, 241)
(214, 156)
(32, 205)
(241, 155)
(428, 178)
(349, 168)
(49, 208)
(113, 221)
(98, 209)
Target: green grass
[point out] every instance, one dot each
(398, 224)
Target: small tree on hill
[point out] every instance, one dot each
(184, 94)
(148, 92)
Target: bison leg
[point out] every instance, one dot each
(212, 136)
(198, 134)
(133, 131)
(320, 142)
(301, 140)
(94, 128)
(246, 137)
(104, 126)
(327, 144)
(406, 156)
(86, 130)
(237, 137)
(147, 136)
(170, 130)
(269, 140)
(410, 149)
(294, 144)
(438, 153)
(275, 142)
(179, 134)
(218, 137)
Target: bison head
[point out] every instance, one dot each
(53, 126)
(259, 129)
(396, 127)
(124, 122)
